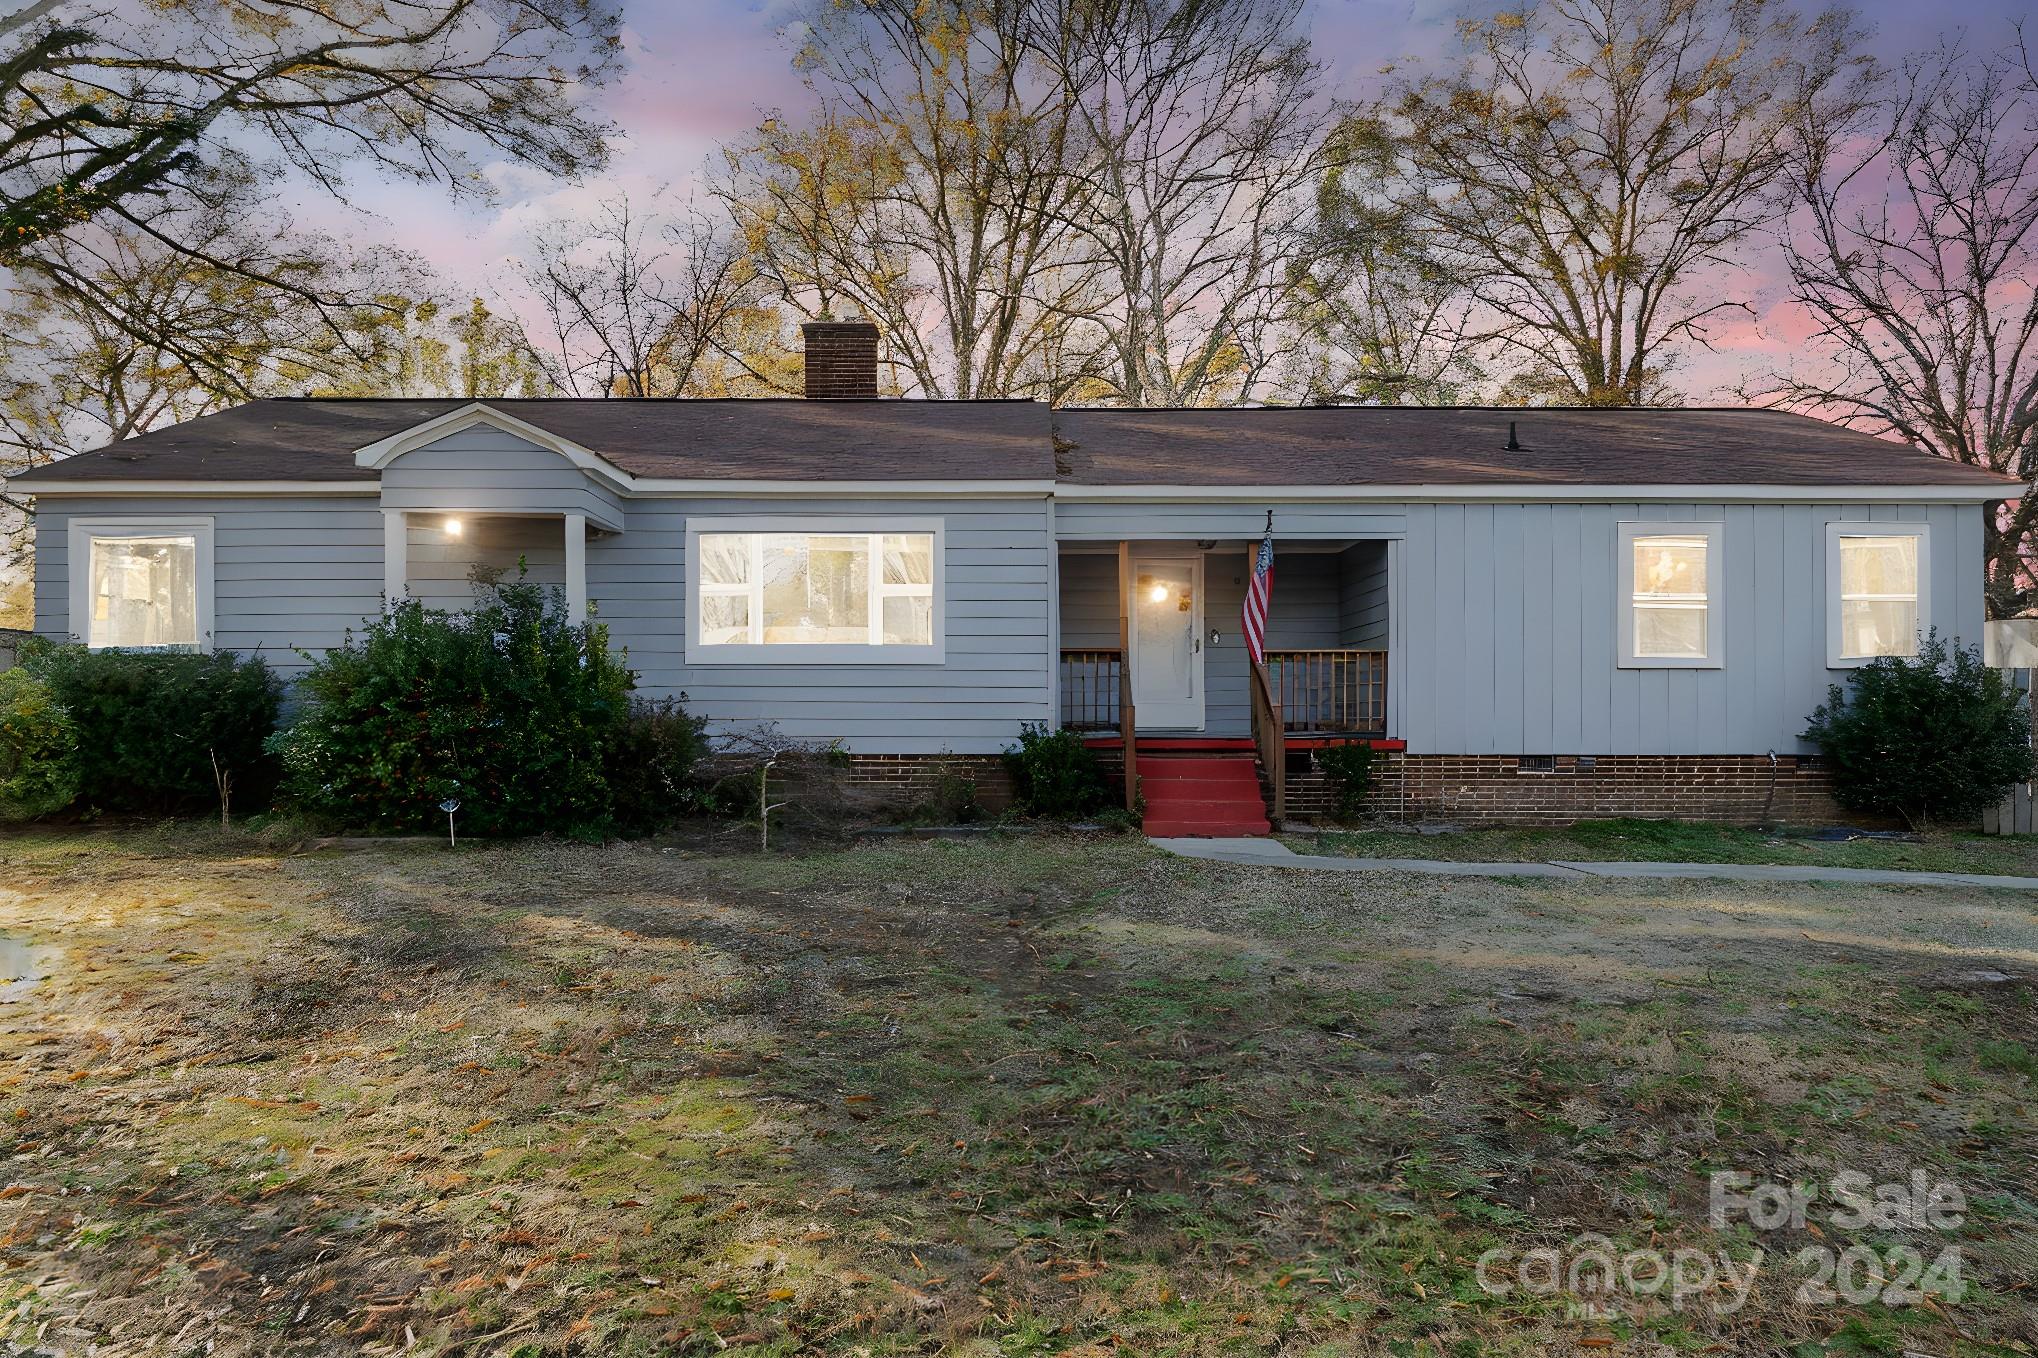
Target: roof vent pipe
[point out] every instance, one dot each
(1513, 443)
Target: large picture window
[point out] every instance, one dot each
(1876, 576)
(142, 584)
(826, 593)
(1670, 595)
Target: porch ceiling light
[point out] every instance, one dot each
(1159, 594)
(454, 528)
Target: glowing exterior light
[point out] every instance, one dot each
(454, 528)
(1159, 594)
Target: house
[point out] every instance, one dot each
(1533, 613)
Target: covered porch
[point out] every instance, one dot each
(1175, 608)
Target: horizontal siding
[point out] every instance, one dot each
(994, 676)
(1509, 627)
(287, 573)
(441, 571)
(485, 469)
(1362, 595)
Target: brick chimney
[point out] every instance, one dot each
(841, 360)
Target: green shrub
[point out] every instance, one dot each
(1935, 737)
(38, 771)
(505, 707)
(649, 764)
(1349, 766)
(1054, 774)
(154, 728)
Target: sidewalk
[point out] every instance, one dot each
(1273, 853)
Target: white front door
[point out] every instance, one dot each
(1166, 610)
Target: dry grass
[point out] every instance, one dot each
(1009, 1097)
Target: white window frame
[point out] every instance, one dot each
(1715, 599)
(1837, 529)
(79, 545)
(699, 652)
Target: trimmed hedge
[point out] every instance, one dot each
(523, 718)
(1054, 774)
(149, 726)
(37, 742)
(1936, 737)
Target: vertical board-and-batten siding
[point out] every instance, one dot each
(1509, 627)
(289, 572)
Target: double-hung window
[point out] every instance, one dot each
(144, 584)
(1670, 604)
(821, 591)
(1876, 585)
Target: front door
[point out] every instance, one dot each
(1166, 611)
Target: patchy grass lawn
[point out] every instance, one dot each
(1665, 841)
(1025, 1096)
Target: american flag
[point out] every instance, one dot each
(1259, 594)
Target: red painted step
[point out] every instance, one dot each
(1216, 795)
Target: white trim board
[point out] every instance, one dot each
(382, 452)
(1539, 493)
(1833, 585)
(77, 547)
(1714, 535)
(116, 489)
(645, 487)
(698, 653)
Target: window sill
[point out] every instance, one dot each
(802, 656)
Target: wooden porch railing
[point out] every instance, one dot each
(1331, 690)
(1270, 738)
(1128, 722)
(1089, 689)
(1319, 691)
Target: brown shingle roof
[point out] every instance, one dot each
(791, 440)
(1408, 446)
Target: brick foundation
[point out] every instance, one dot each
(1497, 790)
(1463, 789)
(912, 778)
(862, 787)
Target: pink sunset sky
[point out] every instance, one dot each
(702, 71)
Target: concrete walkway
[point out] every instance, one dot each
(1273, 853)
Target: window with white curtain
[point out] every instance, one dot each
(142, 584)
(829, 593)
(1876, 575)
(1670, 601)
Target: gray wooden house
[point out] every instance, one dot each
(1533, 613)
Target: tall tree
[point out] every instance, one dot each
(417, 345)
(109, 107)
(129, 333)
(1380, 319)
(1195, 124)
(931, 193)
(1589, 162)
(1915, 248)
(638, 307)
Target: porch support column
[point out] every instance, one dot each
(395, 556)
(1127, 718)
(576, 568)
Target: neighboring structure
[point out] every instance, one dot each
(1534, 612)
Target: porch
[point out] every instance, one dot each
(1154, 664)
(1327, 640)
